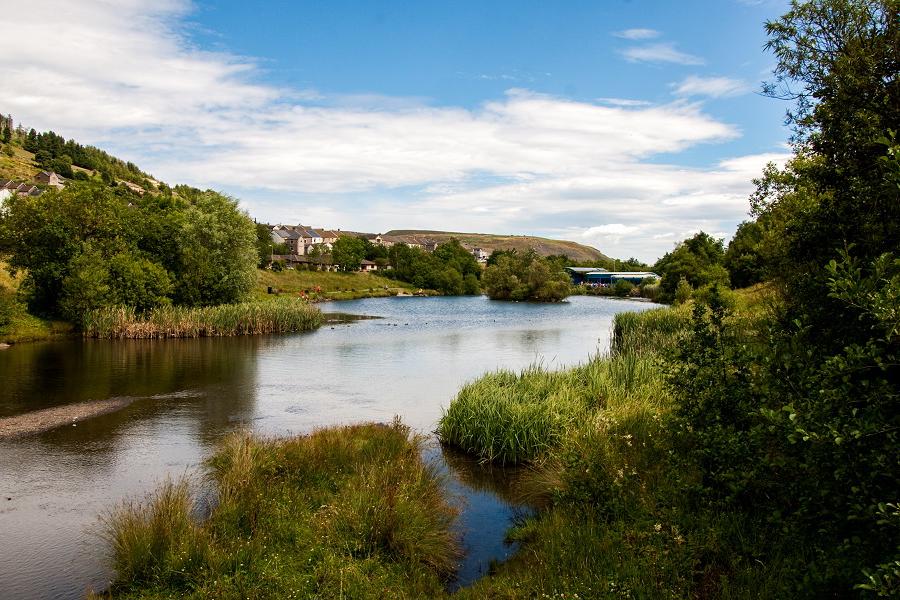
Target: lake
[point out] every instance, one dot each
(188, 394)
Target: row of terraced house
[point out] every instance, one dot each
(43, 180)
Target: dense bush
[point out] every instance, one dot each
(697, 260)
(526, 276)
(91, 246)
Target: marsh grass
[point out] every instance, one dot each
(512, 418)
(350, 512)
(248, 318)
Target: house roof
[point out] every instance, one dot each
(584, 270)
(627, 274)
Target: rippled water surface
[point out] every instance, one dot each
(189, 393)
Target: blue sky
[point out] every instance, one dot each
(625, 125)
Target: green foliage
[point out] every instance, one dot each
(265, 247)
(683, 291)
(216, 252)
(348, 253)
(526, 276)
(349, 512)
(7, 306)
(697, 259)
(744, 258)
(90, 246)
(623, 288)
(450, 269)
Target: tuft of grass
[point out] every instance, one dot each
(157, 539)
(650, 332)
(511, 418)
(350, 512)
(248, 318)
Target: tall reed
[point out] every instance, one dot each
(249, 318)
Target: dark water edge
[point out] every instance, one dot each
(489, 504)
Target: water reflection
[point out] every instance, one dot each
(489, 502)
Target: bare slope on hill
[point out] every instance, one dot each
(490, 242)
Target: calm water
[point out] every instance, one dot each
(189, 393)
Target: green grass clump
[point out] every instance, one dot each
(248, 318)
(347, 512)
(650, 332)
(512, 418)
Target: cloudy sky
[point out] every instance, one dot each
(626, 125)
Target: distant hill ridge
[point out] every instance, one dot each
(489, 242)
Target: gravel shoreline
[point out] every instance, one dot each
(50, 418)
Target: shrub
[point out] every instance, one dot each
(683, 292)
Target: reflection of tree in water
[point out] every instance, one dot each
(504, 482)
(39, 376)
(208, 382)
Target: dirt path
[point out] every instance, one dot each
(51, 418)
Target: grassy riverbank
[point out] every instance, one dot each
(284, 315)
(323, 285)
(606, 466)
(349, 512)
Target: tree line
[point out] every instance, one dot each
(90, 246)
(792, 417)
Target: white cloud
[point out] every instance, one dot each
(637, 34)
(123, 75)
(611, 229)
(663, 52)
(623, 102)
(714, 87)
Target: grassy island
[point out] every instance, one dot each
(346, 512)
(286, 315)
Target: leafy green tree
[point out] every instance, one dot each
(697, 259)
(348, 253)
(264, 245)
(452, 254)
(744, 258)
(797, 426)
(7, 306)
(450, 269)
(7, 134)
(622, 288)
(683, 291)
(217, 253)
(136, 281)
(45, 234)
(91, 245)
(526, 277)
